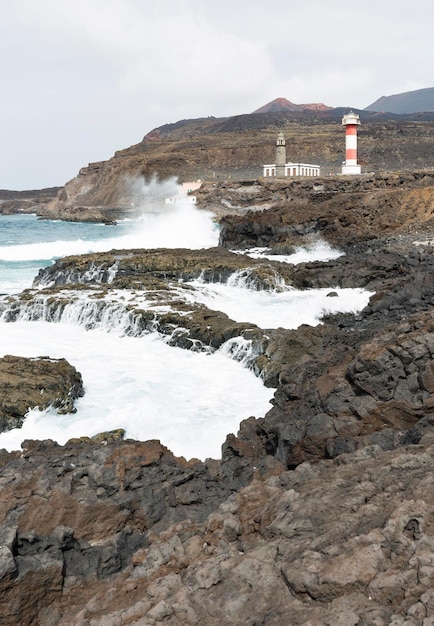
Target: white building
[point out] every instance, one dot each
(294, 169)
(184, 194)
(281, 168)
(181, 198)
(191, 185)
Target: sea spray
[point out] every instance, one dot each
(28, 244)
(316, 250)
(189, 399)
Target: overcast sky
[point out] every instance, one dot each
(81, 79)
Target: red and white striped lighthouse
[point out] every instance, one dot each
(351, 121)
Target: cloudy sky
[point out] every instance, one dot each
(81, 79)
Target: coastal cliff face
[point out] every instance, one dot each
(236, 148)
(32, 201)
(344, 210)
(318, 513)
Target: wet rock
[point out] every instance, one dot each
(40, 382)
(319, 512)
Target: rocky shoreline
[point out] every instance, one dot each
(320, 513)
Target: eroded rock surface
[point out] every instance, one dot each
(342, 211)
(124, 533)
(40, 382)
(318, 513)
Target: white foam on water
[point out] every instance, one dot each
(278, 309)
(181, 226)
(319, 250)
(189, 401)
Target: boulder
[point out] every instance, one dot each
(41, 382)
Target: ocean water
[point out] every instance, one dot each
(28, 243)
(188, 400)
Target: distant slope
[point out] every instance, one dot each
(282, 104)
(420, 100)
(35, 194)
(235, 148)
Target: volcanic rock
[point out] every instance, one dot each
(126, 533)
(41, 382)
(319, 512)
(341, 211)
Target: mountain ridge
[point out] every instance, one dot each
(417, 101)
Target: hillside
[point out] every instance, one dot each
(30, 201)
(407, 102)
(236, 148)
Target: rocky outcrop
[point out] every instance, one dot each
(126, 533)
(29, 383)
(341, 211)
(378, 392)
(318, 513)
(73, 517)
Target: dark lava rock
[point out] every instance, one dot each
(319, 513)
(41, 382)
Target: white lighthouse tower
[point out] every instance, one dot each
(351, 121)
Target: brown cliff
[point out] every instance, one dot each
(31, 201)
(214, 149)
